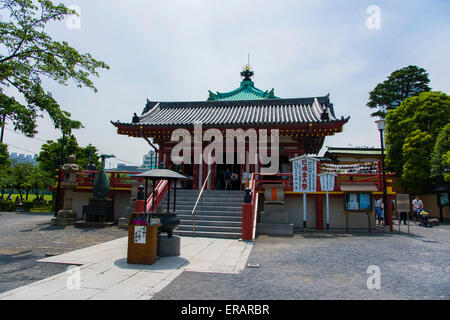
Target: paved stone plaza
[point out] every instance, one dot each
(105, 275)
(28, 237)
(332, 266)
(311, 265)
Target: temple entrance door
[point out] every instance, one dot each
(188, 171)
(235, 172)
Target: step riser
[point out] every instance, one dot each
(207, 235)
(206, 208)
(218, 224)
(212, 218)
(218, 214)
(210, 213)
(210, 229)
(206, 200)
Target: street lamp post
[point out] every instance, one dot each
(381, 124)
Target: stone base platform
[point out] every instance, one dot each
(275, 229)
(64, 218)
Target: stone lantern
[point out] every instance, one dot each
(67, 216)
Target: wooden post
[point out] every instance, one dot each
(328, 211)
(319, 212)
(347, 214)
(304, 211)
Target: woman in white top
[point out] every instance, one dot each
(417, 207)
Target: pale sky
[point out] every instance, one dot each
(178, 50)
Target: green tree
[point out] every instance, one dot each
(50, 156)
(439, 163)
(446, 164)
(412, 128)
(4, 156)
(6, 181)
(41, 181)
(30, 55)
(417, 151)
(22, 178)
(400, 85)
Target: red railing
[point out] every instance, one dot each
(250, 211)
(160, 192)
(116, 179)
(85, 181)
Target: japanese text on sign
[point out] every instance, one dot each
(305, 175)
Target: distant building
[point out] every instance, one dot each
(23, 158)
(150, 160)
(353, 155)
(126, 168)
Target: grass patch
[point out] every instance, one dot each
(41, 210)
(31, 197)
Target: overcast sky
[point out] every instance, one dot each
(178, 50)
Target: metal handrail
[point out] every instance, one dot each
(198, 199)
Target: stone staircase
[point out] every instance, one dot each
(218, 214)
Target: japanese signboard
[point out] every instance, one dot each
(327, 181)
(304, 174)
(358, 202)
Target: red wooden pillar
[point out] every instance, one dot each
(247, 221)
(319, 212)
(213, 176)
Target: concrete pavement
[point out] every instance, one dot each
(104, 274)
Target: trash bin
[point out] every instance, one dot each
(142, 240)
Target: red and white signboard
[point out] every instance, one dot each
(304, 171)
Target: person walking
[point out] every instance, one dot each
(417, 208)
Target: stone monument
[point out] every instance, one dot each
(99, 210)
(275, 218)
(67, 216)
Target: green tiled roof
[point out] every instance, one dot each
(246, 91)
(355, 151)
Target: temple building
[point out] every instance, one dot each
(303, 125)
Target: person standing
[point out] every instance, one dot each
(227, 177)
(379, 211)
(417, 207)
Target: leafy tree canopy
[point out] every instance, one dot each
(412, 130)
(4, 156)
(50, 156)
(28, 54)
(400, 85)
(440, 157)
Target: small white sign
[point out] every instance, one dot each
(327, 181)
(140, 234)
(304, 174)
